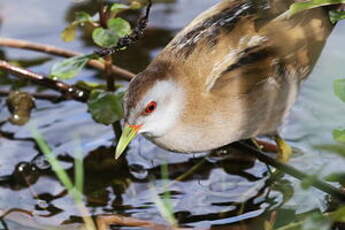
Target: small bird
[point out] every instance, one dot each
(233, 73)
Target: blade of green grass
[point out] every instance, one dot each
(164, 204)
(62, 175)
(163, 208)
(165, 178)
(60, 172)
(78, 168)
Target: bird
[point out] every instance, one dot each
(233, 73)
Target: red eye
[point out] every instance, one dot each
(150, 107)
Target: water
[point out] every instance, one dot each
(222, 191)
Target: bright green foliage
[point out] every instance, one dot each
(82, 17)
(338, 215)
(69, 33)
(339, 88)
(105, 107)
(336, 177)
(317, 221)
(69, 68)
(339, 135)
(120, 26)
(301, 6)
(105, 37)
(118, 7)
(336, 16)
(312, 221)
(117, 28)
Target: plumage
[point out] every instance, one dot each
(232, 73)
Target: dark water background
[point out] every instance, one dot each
(231, 191)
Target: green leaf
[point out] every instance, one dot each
(81, 17)
(336, 177)
(301, 6)
(117, 7)
(120, 26)
(336, 16)
(164, 207)
(117, 28)
(317, 222)
(105, 107)
(135, 5)
(339, 89)
(339, 135)
(105, 37)
(70, 67)
(69, 33)
(338, 215)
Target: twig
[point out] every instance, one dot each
(137, 33)
(321, 185)
(21, 44)
(41, 96)
(68, 91)
(104, 221)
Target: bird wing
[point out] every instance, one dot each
(268, 47)
(249, 63)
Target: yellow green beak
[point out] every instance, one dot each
(129, 132)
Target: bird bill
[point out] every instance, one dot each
(129, 132)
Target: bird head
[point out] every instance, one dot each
(152, 105)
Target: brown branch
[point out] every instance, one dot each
(21, 44)
(67, 91)
(41, 96)
(104, 221)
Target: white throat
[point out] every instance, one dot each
(170, 103)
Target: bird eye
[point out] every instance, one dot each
(150, 107)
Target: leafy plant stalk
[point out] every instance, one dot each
(104, 17)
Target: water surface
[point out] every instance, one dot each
(225, 191)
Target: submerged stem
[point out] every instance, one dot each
(319, 184)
